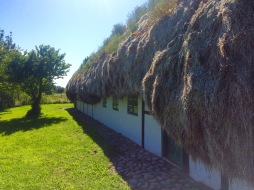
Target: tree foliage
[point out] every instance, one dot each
(6, 41)
(35, 72)
(59, 89)
(7, 90)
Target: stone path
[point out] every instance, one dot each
(139, 168)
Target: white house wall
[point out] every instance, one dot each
(78, 105)
(83, 109)
(152, 136)
(199, 172)
(90, 110)
(120, 120)
(239, 184)
(212, 178)
(86, 108)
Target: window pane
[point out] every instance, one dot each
(135, 102)
(135, 110)
(133, 105)
(104, 102)
(175, 153)
(115, 103)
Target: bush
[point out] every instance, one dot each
(6, 100)
(21, 99)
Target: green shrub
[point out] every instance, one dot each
(6, 100)
(21, 98)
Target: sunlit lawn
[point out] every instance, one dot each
(52, 152)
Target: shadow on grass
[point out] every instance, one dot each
(4, 112)
(23, 124)
(136, 166)
(109, 141)
(108, 148)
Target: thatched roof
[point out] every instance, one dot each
(195, 70)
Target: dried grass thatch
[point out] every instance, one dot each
(195, 70)
(201, 88)
(121, 73)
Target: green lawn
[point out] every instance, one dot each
(53, 152)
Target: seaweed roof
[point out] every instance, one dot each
(195, 70)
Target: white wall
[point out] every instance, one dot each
(212, 178)
(121, 121)
(239, 184)
(79, 105)
(90, 110)
(199, 172)
(153, 136)
(86, 108)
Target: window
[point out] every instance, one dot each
(115, 103)
(172, 151)
(104, 102)
(133, 105)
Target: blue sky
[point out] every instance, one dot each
(76, 27)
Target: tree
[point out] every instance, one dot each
(6, 41)
(35, 72)
(7, 49)
(59, 89)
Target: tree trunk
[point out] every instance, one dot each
(36, 106)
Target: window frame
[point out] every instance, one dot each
(104, 102)
(115, 103)
(132, 105)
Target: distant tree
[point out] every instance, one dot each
(6, 41)
(59, 89)
(35, 72)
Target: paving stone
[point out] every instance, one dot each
(133, 181)
(148, 177)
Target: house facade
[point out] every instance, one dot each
(131, 117)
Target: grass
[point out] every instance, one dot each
(161, 9)
(53, 152)
(24, 99)
(110, 47)
(55, 98)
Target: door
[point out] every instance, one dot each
(172, 151)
